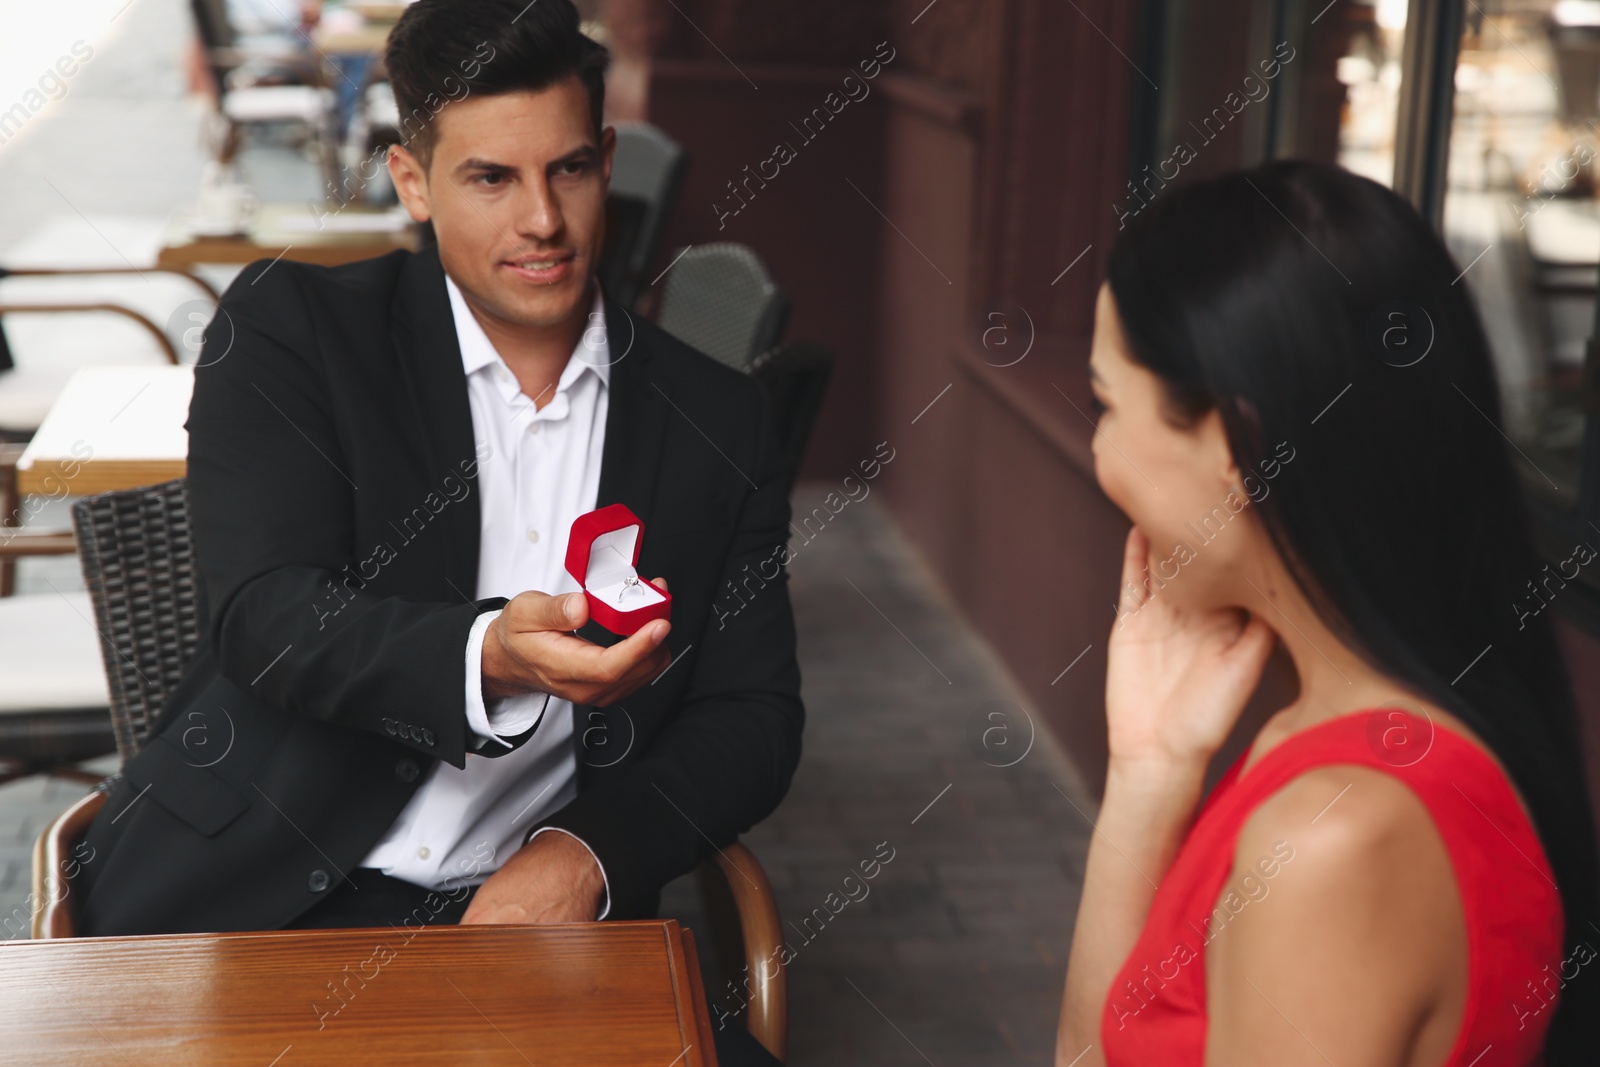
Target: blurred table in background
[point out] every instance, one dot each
(330, 238)
(111, 428)
(614, 994)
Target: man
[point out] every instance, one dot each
(379, 456)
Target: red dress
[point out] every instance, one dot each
(1156, 1010)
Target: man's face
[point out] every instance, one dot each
(516, 192)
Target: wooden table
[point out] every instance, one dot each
(292, 231)
(617, 993)
(111, 428)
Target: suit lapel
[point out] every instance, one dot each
(434, 382)
(636, 419)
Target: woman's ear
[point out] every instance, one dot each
(1211, 439)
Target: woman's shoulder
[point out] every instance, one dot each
(1367, 903)
(1409, 758)
(1356, 799)
(1348, 816)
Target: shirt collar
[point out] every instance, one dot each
(593, 351)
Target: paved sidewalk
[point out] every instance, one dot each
(956, 951)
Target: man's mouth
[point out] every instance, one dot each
(543, 268)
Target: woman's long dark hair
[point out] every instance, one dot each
(1296, 300)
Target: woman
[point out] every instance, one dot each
(1300, 417)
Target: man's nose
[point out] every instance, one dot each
(538, 212)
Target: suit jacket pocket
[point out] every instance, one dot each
(192, 793)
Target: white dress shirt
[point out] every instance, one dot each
(541, 471)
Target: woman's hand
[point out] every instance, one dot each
(1176, 678)
(1176, 682)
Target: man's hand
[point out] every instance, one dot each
(529, 647)
(552, 879)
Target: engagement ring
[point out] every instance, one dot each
(631, 582)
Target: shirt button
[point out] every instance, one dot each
(533, 428)
(533, 535)
(423, 853)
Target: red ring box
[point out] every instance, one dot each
(602, 550)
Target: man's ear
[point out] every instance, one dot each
(608, 151)
(410, 182)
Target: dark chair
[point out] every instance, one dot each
(796, 377)
(721, 300)
(138, 563)
(625, 220)
(648, 168)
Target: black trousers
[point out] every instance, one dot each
(372, 898)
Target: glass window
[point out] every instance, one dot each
(1521, 216)
(1369, 68)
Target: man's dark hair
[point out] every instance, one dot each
(445, 50)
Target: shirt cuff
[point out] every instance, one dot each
(605, 899)
(505, 716)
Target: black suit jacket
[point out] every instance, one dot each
(333, 491)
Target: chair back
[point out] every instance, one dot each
(721, 300)
(796, 377)
(648, 166)
(625, 220)
(138, 565)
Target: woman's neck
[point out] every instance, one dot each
(1334, 679)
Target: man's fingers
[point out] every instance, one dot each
(642, 673)
(624, 655)
(659, 583)
(625, 666)
(538, 611)
(573, 662)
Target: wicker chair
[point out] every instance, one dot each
(138, 564)
(721, 299)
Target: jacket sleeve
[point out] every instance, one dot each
(272, 501)
(726, 757)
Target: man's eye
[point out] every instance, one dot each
(1096, 406)
(490, 179)
(574, 167)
